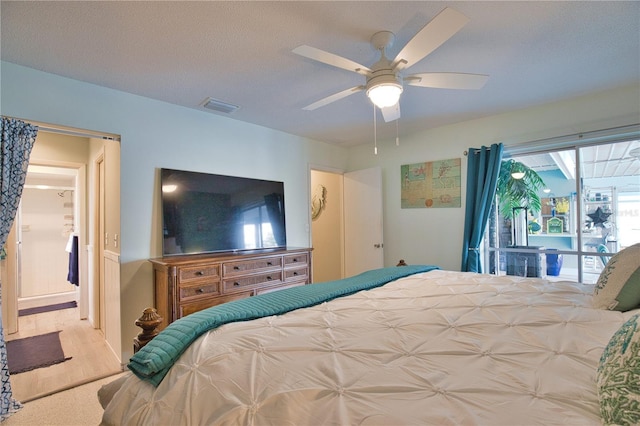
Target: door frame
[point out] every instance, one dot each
(99, 309)
(338, 172)
(10, 289)
(379, 250)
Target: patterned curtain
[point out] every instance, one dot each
(17, 141)
(483, 166)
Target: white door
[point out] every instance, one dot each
(363, 221)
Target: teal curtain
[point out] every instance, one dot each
(17, 141)
(483, 166)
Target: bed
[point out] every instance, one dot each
(431, 347)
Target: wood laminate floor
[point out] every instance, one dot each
(91, 359)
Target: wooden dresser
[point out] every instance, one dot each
(190, 283)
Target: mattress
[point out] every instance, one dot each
(438, 347)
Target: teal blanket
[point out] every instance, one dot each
(154, 360)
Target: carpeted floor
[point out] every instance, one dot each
(78, 406)
(35, 352)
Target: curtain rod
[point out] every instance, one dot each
(631, 128)
(477, 150)
(82, 133)
(69, 131)
(582, 138)
(593, 136)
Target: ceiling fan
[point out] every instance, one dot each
(384, 80)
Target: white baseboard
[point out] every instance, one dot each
(49, 299)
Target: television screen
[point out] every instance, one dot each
(206, 213)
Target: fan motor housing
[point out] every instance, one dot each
(383, 76)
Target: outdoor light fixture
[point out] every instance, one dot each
(516, 170)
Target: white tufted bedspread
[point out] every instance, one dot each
(437, 348)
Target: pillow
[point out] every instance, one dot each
(618, 376)
(618, 287)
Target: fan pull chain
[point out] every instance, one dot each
(397, 137)
(375, 133)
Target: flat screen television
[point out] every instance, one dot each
(208, 213)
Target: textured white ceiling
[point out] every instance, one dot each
(240, 52)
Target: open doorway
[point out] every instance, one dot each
(346, 225)
(46, 226)
(56, 208)
(588, 211)
(327, 225)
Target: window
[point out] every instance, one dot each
(589, 209)
(257, 227)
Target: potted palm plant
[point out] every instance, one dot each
(517, 191)
(518, 187)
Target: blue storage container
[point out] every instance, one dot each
(554, 263)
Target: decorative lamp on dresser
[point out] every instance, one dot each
(190, 283)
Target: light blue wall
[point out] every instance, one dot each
(556, 181)
(156, 134)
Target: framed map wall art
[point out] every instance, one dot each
(433, 184)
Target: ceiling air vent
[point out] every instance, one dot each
(219, 106)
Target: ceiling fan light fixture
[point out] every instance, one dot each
(384, 88)
(385, 94)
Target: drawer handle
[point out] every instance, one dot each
(200, 290)
(295, 259)
(269, 263)
(236, 268)
(269, 278)
(295, 273)
(236, 284)
(199, 273)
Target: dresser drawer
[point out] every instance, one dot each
(190, 283)
(191, 273)
(292, 260)
(253, 265)
(296, 274)
(241, 283)
(203, 290)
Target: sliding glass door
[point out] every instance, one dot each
(587, 209)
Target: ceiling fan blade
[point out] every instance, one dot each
(391, 113)
(331, 59)
(447, 80)
(333, 98)
(430, 37)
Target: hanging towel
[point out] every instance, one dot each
(73, 276)
(69, 245)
